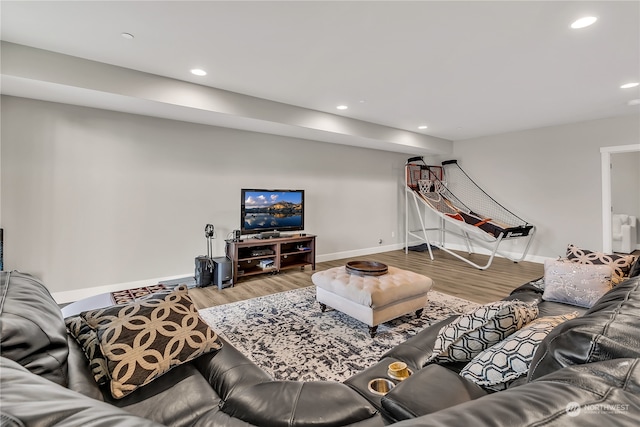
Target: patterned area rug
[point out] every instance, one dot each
(129, 295)
(288, 336)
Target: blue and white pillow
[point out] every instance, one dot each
(498, 366)
(471, 333)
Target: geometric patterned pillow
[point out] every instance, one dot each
(88, 340)
(471, 333)
(575, 284)
(145, 339)
(620, 264)
(498, 366)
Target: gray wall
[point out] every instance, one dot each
(550, 177)
(93, 197)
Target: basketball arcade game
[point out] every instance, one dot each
(480, 219)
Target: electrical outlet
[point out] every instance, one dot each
(393, 234)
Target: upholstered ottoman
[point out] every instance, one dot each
(372, 299)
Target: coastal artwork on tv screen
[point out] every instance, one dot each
(273, 210)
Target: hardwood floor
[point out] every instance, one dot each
(450, 276)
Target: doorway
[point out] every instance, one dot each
(605, 159)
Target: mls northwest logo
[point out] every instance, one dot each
(573, 409)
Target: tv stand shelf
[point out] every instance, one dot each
(252, 256)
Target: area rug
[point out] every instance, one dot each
(288, 336)
(129, 295)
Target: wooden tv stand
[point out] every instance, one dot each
(249, 256)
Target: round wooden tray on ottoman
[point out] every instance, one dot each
(366, 268)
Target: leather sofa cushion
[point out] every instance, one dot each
(607, 393)
(179, 398)
(228, 370)
(34, 401)
(298, 404)
(608, 330)
(32, 329)
(189, 395)
(429, 390)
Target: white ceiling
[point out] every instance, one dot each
(465, 69)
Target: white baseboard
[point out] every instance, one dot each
(482, 251)
(78, 294)
(399, 246)
(359, 252)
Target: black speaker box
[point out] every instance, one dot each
(204, 271)
(222, 272)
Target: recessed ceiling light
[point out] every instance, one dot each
(584, 22)
(422, 127)
(198, 72)
(628, 85)
(634, 102)
(342, 107)
(127, 36)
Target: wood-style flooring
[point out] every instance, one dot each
(450, 275)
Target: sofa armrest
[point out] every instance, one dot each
(229, 370)
(35, 401)
(533, 287)
(595, 394)
(297, 404)
(417, 349)
(32, 331)
(429, 390)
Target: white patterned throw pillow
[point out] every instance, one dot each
(575, 284)
(471, 333)
(498, 366)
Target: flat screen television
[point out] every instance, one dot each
(271, 211)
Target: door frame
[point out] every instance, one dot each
(605, 166)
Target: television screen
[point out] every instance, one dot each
(271, 210)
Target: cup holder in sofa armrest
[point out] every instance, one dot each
(297, 404)
(429, 390)
(417, 349)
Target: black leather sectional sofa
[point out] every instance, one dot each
(46, 381)
(585, 372)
